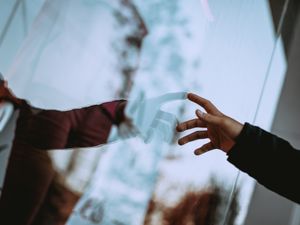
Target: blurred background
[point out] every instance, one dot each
(242, 55)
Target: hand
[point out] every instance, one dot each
(220, 129)
(150, 121)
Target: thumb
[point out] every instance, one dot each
(208, 118)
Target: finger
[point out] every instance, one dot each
(206, 104)
(166, 116)
(190, 124)
(192, 137)
(171, 97)
(208, 118)
(204, 148)
(132, 105)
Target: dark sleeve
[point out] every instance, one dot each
(272, 161)
(95, 126)
(82, 127)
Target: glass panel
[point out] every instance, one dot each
(282, 13)
(79, 53)
(246, 75)
(101, 37)
(12, 33)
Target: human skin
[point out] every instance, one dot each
(220, 129)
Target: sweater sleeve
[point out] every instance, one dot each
(114, 110)
(272, 161)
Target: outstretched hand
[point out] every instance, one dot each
(220, 129)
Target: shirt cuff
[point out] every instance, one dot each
(243, 150)
(114, 111)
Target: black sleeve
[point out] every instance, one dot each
(272, 161)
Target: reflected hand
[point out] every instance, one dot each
(150, 120)
(220, 129)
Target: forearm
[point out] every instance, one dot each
(51, 129)
(269, 159)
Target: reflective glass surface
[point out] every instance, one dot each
(96, 90)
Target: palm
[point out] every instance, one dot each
(219, 138)
(220, 129)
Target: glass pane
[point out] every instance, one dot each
(78, 62)
(284, 14)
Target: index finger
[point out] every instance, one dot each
(171, 97)
(206, 104)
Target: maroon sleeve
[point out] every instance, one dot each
(83, 127)
(114, 110)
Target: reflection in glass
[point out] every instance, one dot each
(194, 206)
(90, 48)
(31, 181)
(79, 54)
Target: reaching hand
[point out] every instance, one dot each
(220, 129)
